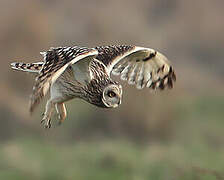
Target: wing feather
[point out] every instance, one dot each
(56, 60)
(141, 66)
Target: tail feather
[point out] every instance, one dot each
(27, 67)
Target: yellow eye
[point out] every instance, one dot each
(111, 94)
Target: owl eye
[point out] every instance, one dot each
(111, 94)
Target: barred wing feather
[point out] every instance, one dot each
(56, 60)
(141, 66)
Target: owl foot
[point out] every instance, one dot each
(61, 112)
(46, 122)
(60, 119)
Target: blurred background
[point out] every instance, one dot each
(172, 135)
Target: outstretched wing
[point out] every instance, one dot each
(56, 60)
(141, 66)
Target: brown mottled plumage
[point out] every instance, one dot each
(80, 72)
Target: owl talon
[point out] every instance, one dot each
(61, 112)
(46, 123)
(60, 120)
(49, 125)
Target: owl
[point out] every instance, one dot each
(81, 72)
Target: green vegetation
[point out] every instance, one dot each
(34, 159)
(194, 152)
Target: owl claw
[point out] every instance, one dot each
(46, 123)
(60, 120)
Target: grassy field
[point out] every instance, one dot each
(35, 159)
(196, 151)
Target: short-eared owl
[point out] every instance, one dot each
(80, 72)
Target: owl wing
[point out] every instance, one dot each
(56, 60)
(141, 66)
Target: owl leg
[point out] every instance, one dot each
(61, 111)
(46, 121)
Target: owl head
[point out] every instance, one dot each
(112, 95)
(105, 93)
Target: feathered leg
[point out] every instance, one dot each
(61, 111)
(46, 121)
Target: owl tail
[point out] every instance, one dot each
(27, 67)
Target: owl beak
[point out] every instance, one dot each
(116, 105)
